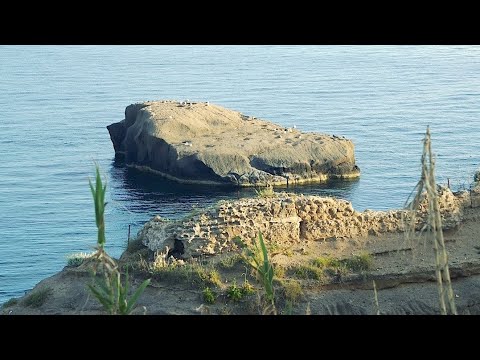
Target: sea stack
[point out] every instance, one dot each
(226, 147)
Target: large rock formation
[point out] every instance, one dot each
(206, 143)
(284, 220)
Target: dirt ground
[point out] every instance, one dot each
(403, 272)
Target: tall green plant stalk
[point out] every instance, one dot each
(259, 261)
(98, 193)
(109, 290)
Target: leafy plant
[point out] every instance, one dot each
(109, 290)
(113, 295)
(234, 292)
(209, 296)
(259, 261)
(98, 193)
(247, 288)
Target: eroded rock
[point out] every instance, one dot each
(206, 143)
(283, 220)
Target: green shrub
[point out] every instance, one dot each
(37, 298)
(361, 262)
(234, 292)
(209, 296)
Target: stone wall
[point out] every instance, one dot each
(284, 219)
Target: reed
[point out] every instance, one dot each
(109, 289)
(433, 227)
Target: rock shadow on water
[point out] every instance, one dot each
(153, 194)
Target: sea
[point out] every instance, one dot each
(56, 101)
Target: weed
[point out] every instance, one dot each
(361, 262)
(37, 298)
(209, 296)
(191, 272)
(206, 276)
(308, 272)
(293, 291)
(333, 266)
(247, 288)
(234, 292)
(279, 272)
(230, 261)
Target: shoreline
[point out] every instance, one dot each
(401, 270)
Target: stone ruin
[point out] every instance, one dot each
(284, 219)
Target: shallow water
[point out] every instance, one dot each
(56, 101)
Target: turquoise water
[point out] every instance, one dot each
(55, 102)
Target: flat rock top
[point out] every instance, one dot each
(206, 143)
(210, 127)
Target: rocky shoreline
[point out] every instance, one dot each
(300, 231)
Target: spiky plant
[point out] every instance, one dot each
(109, 290)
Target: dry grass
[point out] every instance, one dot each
(434, 231)
(293, 290)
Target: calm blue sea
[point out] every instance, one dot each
(55, 102)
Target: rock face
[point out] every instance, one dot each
(285, 219)
(206, 143)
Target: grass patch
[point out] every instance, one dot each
(193, 273)
(237, 293)
(308, 272)
(361, 262)
(333, 266)
(293, 291)
(209, 296)
(37, 298)
(230, 261)
(9, 303)
(234, 292)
